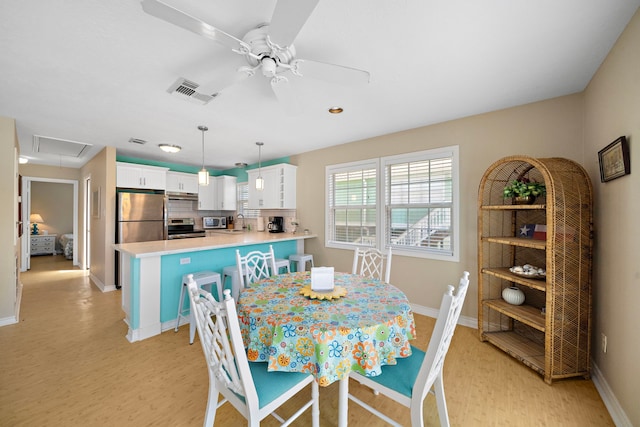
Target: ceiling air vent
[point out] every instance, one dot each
(63, 147)
(137, 141)
(187, 89)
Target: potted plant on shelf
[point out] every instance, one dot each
(523, 191)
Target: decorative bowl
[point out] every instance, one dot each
(529, 271)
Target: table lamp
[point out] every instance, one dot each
(34, 219)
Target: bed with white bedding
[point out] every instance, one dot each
(66, 243)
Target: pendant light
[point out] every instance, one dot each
(203, 174)
(259, 179)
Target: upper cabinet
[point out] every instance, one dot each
(226, 199)
(129, 175)
(219, 195)
(279, 187)
(180, 182)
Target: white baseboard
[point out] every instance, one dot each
(467, 321)
(618, 415)
(101, 285)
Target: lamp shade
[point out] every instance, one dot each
(37, 218)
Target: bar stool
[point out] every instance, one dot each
(232, 271)
(204, 279)
(301, 261)
(282, 263)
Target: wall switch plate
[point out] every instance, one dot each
(185, 261)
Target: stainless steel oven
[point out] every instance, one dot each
(183, 228)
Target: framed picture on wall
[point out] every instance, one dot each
(95, 203)
(614, 160)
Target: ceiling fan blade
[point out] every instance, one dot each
(176, 17)
(224, 82)
(330, 72)
(286, 95)
(288, 18)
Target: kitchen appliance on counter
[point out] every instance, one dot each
(183, 228)
(140, 217)
(276, 224)
(214, 222)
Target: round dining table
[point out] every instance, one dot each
(367, 328)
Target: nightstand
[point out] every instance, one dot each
(43, 244)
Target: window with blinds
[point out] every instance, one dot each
(242, 197)
(419, 204)
(352, 203)
(408, 202)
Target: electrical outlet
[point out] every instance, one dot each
(604, 343)
(185, 261)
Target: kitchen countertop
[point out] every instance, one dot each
(212, 241)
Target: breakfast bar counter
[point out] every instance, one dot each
(151, 272)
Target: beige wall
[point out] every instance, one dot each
(8, 209)
(102, 171)
(551, 128)
(612, 109)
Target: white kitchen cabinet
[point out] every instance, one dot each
(129, 175)
(43, 244)
(207, 195)
(180, 182)
(219, 195)
(226, 199)
(279, 187)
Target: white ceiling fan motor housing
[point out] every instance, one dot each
(267, 54)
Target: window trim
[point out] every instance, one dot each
(380, 164)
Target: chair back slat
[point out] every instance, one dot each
(370, 262)
(448, 316)
(219, 331)
(255, 266)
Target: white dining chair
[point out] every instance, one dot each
(370, 262)
(409, 381)
(255, 266)
(249, 387)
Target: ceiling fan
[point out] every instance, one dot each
(268, 48)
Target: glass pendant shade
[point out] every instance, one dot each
(259, 179)
(203, 174)
(203, 177)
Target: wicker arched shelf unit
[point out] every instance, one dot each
(551, 331)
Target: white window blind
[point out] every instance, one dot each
(242, 197)
(352, 204)
(419, 204)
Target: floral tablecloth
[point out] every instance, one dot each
(366, 329)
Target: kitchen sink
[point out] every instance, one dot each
(228, 230)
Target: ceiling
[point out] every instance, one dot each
(97, 72)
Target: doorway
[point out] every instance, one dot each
(27, 183)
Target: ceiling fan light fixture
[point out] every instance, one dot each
(335, 110)
(170, 148)
(203, 174)
(259, 179)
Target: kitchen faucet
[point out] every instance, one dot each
(241, 216)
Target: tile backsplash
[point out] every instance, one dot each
(189, 209)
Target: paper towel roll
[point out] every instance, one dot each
(260, 224)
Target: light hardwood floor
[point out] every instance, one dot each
(67, 363)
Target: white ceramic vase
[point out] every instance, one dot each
(513, 295)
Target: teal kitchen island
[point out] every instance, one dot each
(151, 272)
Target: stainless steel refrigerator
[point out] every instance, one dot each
(141, 217)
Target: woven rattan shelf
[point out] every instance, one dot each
(551, 331)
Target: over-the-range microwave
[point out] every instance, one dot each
(214, 222)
